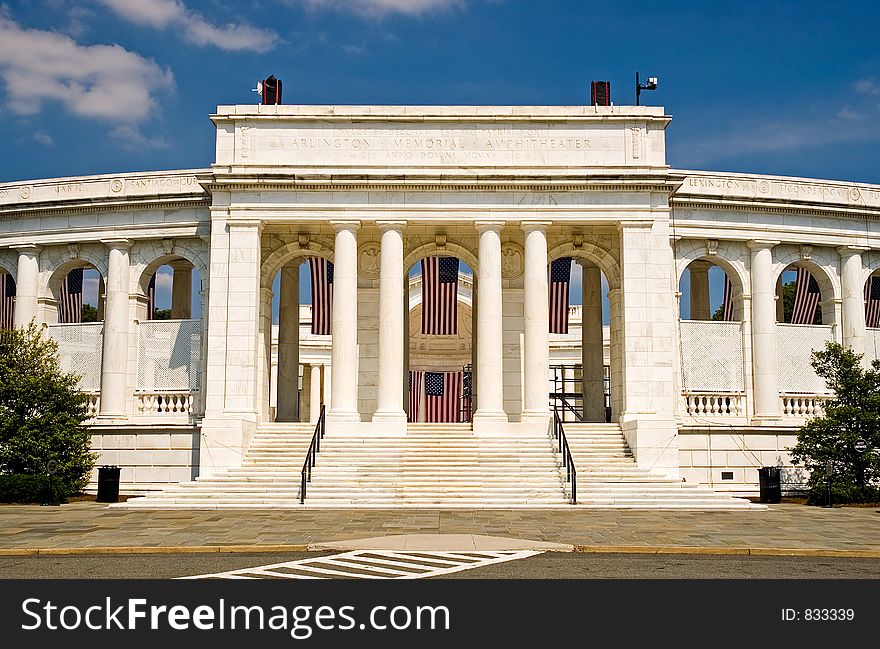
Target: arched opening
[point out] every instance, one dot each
(580, 340)
(707, 293)
(7, 299)
(79, 294)
(174, 292)
(439, 337)
(799, 297)
(301, 307)
(872, 301)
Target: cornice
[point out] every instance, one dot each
(776, 207)
(20, 210)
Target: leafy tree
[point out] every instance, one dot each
(162, 314)
(41, 412)
(89, 313)
(854, 413)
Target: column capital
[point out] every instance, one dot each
(485, 226)
(391, 224)
(25, 248)
(642, 224)
(349, 224)
(849, 251)
(531, 226)
(762, 244)
(117, 244)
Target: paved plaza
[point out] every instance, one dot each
(781, 529)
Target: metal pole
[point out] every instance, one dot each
(638, 89)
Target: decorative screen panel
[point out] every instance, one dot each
(80, 349)
(169, 355)
(872, 344)
(711, 356)
(794, 346)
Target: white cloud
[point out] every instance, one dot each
(98, 81)
(42, 137)
(377, 8)
(355, 50)
(131, 138)
(868, 87)
(163, 14)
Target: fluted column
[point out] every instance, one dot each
(592, 344)
(344, 348)
(853, 289)
(26, 285)
(536, 406)
(391, 314)
(288, 345)
(764, 371)
(314, 393)
(114, 361)
(699, 272)
(181, 290)
(490, 377)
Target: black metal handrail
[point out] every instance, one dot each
(565, 452)
(311, 456)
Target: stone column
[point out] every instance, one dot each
(314, 393)
(766, 382)
(287, 408)
(181, 290)
(26, 285)
(114, 361)
(536, 405)
(592, 344)
(391, 327)
(344, 354)
(699, 271)
(490, 401)
(853, 289)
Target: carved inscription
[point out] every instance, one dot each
(162, 183)
(68, 189)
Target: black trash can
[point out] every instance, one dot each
(771, 487)
(108, 484)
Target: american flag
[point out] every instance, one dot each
(440, 296)
(727, 305)
(70, 305)
(416, 385)
(322, 295)
(151, 298)
(442, 392)
(560, 282)
(7, 300)
(806, 298)
(872, 301)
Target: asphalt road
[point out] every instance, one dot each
(549, 565)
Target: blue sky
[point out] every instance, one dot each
(93, 86)
(90, 86)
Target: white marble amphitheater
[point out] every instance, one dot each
(658, 409)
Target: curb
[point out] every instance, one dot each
(709, 550)
(584, 549)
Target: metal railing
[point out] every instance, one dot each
(311, 456)
(567, 391)
(565, 452)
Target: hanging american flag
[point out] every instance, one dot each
(442, 392)
(416, 386)
(872, 301)
(71, 302)
(560, 282)
(440, 296)
(151, 298)
(322, 295)
(7, 300)
(806, 298)
(727, 305)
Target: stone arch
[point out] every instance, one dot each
(9, 263)
(593, 253)
(148, 256)
(431, 249)
(279, 257)
(870, 264)
(52, 287)
(732, 264)
(825, 275)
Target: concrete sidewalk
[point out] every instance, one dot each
(782, 529)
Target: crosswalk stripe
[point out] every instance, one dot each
(393, 564)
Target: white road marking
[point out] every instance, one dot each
(375, 564)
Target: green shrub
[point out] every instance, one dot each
(41, 412)
(23, 488)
